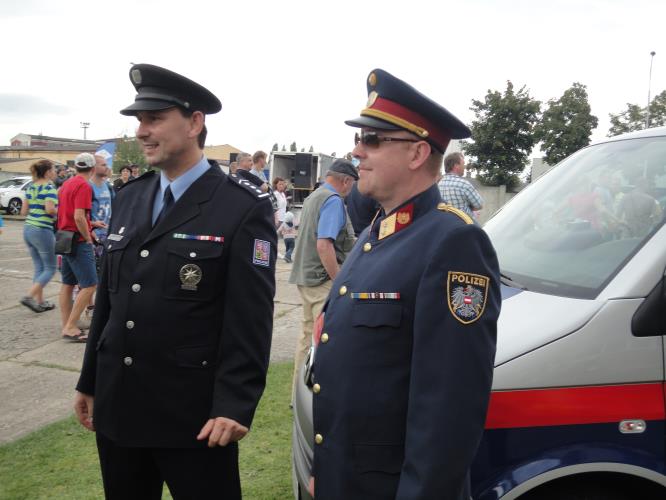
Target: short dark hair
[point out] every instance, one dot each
(39, 168)
(451, 160)
(201, 138)
(125, 167)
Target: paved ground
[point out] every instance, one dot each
(38, 370)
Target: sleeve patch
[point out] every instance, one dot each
(466, 295)
(261, 255)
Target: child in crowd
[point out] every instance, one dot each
(289, 231)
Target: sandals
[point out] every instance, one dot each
(82, 337)
(32, 304)
(47, 306)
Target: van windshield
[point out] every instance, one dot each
(574, 229)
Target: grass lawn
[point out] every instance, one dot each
(60, 460)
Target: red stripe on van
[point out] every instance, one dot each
(576, 405)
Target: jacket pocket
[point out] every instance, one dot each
(201, 357)
(115, 250)
(193, 271)
(385, 458)
(373, 314)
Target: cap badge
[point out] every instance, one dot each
(190, 275)
(466, 295)
(372, 97)
(372, 79)
(136, 76)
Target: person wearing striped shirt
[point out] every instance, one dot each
(40, 207)
(455, 189)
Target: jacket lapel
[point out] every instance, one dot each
(187, 207)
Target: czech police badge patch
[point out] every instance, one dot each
(262, 253)
(466, 295)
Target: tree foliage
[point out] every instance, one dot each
(128, 151)
(293, 147)
(567, 124)
(275, 147)
(633, 118)
(311, 150)
(502, 135)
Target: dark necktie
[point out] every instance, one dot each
(167, 203)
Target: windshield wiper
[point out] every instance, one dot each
(508, 281)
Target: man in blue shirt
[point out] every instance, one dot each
(326, 236)
(100, 214)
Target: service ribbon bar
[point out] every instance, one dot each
(375, 295)
(199, 237)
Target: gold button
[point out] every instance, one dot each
(367, 247)
(343, 290)
(316, 388)
(324, 338)
(319, 439)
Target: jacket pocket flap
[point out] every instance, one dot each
(197, 251)
(194, 356)
(375, 314)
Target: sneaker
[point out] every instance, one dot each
(47, 306)
(32, 304)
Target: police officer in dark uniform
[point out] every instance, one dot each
(404, 362)
(179, 343)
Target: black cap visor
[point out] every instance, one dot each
(146, 105)
(370, 122)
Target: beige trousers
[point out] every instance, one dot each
(313, 302)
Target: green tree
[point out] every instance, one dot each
(293, 147)
(284, 148)
(128, 151)
(633, 118)
(502, 135)
(311, 150)
(567, 124)
(275, 147)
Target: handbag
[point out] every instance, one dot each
(64, 241)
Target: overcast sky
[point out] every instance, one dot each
(295, 70)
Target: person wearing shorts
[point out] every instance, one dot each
(78, 266)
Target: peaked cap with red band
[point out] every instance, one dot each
(396, 105)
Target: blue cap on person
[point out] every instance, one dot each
(159, 88)
(396, 105)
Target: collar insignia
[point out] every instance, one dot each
(396, 221)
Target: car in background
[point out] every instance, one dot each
(578, 403)
(12, 193)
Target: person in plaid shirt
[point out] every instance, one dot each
(456, 190)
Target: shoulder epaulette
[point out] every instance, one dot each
(448, 208)
(256, 191)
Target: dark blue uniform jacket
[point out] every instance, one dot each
(182, 327)
(405, 366)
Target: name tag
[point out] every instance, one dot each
(115, 237)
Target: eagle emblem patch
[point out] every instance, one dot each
(466, 295)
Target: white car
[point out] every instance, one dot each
(12, 193)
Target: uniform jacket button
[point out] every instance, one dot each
(324, 338)
(319, 438)
(204, 363)
(128, 361)
(343, 290)
(367, 247)
(193, 254)
(145, 253)
(129, 325)
(316, 388)
(136, 287)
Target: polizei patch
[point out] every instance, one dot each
(466, 294)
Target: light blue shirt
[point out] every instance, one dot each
(178, 185)
(332, 216)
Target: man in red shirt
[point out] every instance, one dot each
(78, 266)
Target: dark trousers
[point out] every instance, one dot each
(190, 473)
(289, 244)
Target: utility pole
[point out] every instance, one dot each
(647, 112)
(85, 125)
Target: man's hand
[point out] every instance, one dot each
(98, 224)
(221, 431)
(83, 407)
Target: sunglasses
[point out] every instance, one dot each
(373, 140)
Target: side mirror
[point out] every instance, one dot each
(650, 318)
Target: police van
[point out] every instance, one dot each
(577, 409)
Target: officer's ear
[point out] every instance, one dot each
(419, 154)
(197, 123)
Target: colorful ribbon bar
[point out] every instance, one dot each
(200, 237)
(375, 295)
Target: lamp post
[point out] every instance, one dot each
(85, 125)
(647, 113)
